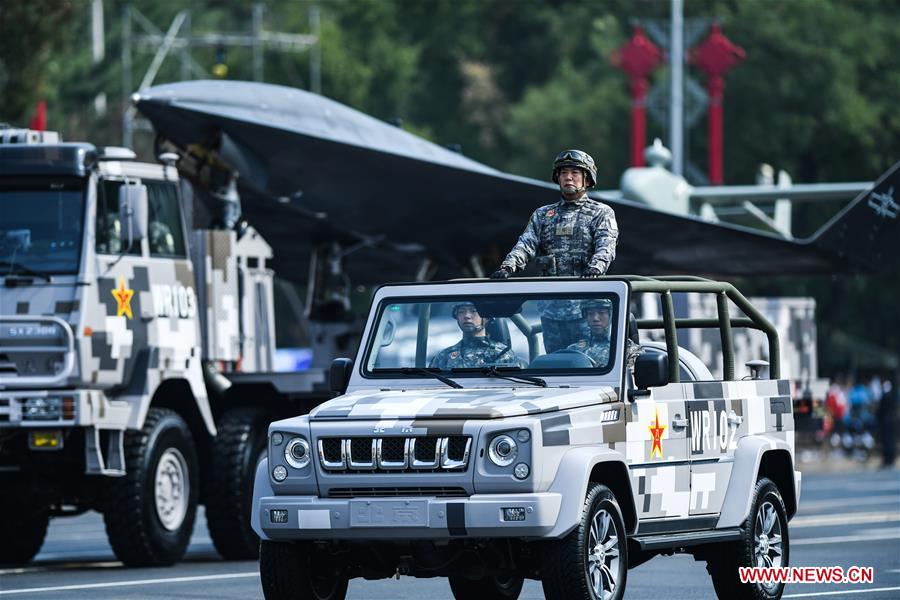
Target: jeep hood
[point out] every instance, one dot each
(459, 404)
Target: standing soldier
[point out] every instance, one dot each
(575, 237)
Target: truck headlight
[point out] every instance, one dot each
(296, 453)
(42, 409)
(503, 450)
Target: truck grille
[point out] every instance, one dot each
(369, 492)
(391, 454)
(35, 351)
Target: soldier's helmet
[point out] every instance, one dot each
(578, 159)
(460, 305)
(589, 305)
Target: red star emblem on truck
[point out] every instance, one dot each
(656, 430)
(123, 299)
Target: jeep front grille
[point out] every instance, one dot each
(370, 492)
(386, 454)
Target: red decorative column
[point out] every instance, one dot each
(638, 57)
(715, 56)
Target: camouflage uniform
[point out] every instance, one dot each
(567, 238)
(474, 352)
(595, 347)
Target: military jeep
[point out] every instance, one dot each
(567, 467)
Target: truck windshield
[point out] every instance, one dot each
(516, 334)
(41, 223)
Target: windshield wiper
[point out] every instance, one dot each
(430, 373)
(496, 372)
(20, 269)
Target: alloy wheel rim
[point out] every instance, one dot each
(603, 555)
(768, 546)
(171, 489)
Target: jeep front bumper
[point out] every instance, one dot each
(481, 515)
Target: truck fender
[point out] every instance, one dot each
(747, 459)
(262, 487)
(187, 384)
(572, 479)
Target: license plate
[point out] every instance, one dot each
(388, 513)
(45, 440)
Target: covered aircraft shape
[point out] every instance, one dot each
(313, 170)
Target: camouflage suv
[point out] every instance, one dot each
(568, 467)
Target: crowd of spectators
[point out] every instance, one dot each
(860, 413)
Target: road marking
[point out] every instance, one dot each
(872, 537)
(88, 586)
(846, 519)
(838, 486)
(837, 593)
(844, 503)
(71, 565)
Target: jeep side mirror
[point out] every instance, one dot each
(651, 369)
(133, 212)
(339, 375)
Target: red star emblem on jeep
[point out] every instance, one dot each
(656, 430)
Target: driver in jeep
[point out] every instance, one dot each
(476, 348)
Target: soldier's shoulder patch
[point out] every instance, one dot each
(454, 354)
(582, 344)
(551, 212)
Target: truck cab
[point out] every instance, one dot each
(135, 352)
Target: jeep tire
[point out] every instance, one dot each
(239, 445)
(23, 521)
(491, 587)
(290, 571)
(149, 513)
(591, 563)
(764, 543)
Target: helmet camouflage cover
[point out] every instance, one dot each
(578, 159)
(589, 305)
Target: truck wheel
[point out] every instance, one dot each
(150, 511)
(487, 588)
(291, 571)
(590, 563)
(764, 544)
(23, 521)
(238, 448)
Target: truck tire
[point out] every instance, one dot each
(591, 563)
(150, 511)
(288, 572)
(764, 543)
(487, 588)
(237, 450)
(23, 521)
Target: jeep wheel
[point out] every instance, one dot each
(591, 563)
(238, 448)
(764, 544)
(491, 587)
(149, 513)
(23, 521)
(292, 571)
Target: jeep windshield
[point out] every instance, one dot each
(508, 335)
(41, 223)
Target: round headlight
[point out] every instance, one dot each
(279, 473)
(521, 471)
(503, 450)
(296, 453)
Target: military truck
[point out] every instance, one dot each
(567, 467)
(136, 340)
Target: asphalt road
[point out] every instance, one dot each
(845, 519)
